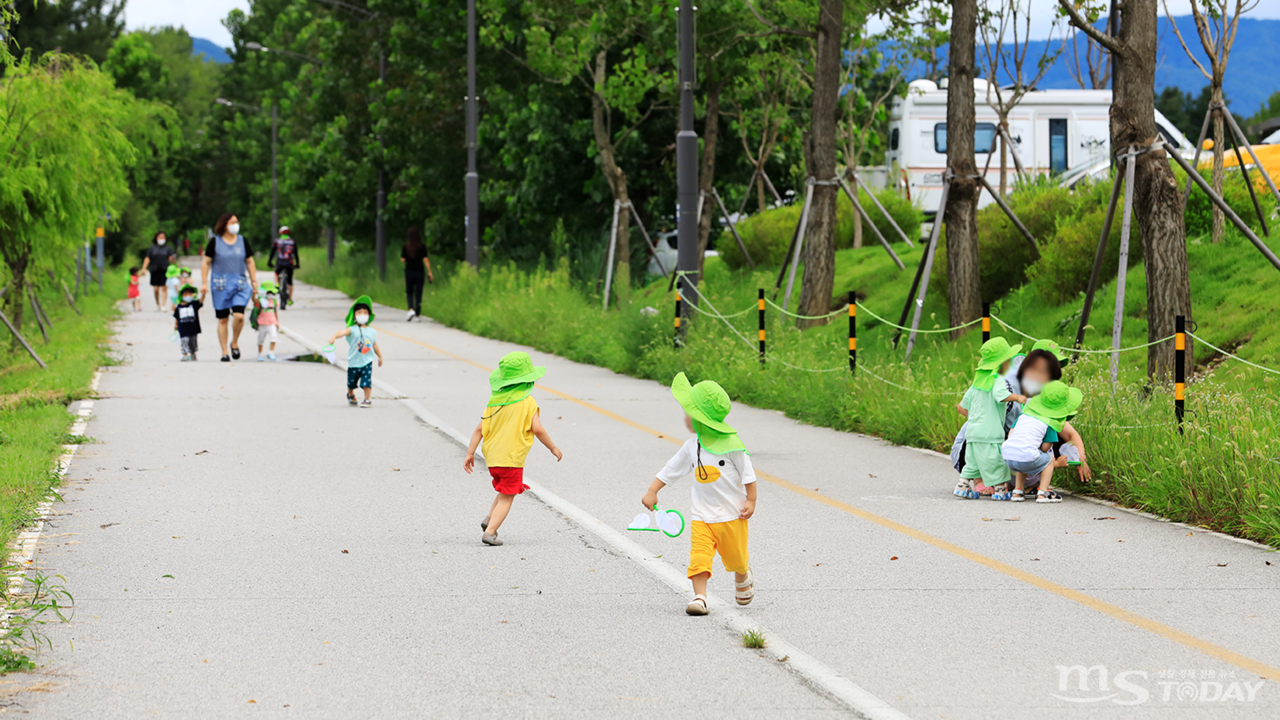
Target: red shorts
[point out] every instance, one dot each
(508, 480)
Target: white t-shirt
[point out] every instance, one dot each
(1023, 443)
(720, 490)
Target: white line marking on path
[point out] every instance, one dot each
(815, 672)
(22, 554)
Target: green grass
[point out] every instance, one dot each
(753, 639)
(33, 415)
(1224, 473)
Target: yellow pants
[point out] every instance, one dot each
(727, 538)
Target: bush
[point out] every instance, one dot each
(1199, 212)
(767, 235)
(1066, 262)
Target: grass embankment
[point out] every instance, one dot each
(1223, 474)
(33, 401)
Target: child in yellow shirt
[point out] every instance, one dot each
(724, 496)
(507, 428)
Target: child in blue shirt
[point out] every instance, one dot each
(362, 345)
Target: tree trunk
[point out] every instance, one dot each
(857, 216)
(960, 216)
(617, 183)
(707, 174)
(13, 299)
(1157, 201)
(764, 204)
(1219, 151)
(819, 246)
(1004, 156)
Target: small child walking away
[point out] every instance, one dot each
(135, 294)
(1029, 448)
(186, 320)
(172, 282)
(724, 496)
(362, 345)
(266, 321)
(984, 407)
(510, 422)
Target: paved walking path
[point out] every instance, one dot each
(241, 542)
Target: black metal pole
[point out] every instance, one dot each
(687, 260)
(760, 310)
(986, 321)
(679, 332)
(333, 243)
(1179, 368)
(380, 227)
(1244, 172)
(472, 178)
(1098, 257)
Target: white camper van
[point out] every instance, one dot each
(1058, 132)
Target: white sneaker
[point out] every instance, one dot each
(261, 357)
(271, 356)
(409, 316)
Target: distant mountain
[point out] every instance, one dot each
(1253, 71)
(200, 46)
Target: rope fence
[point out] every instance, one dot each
(758, 346)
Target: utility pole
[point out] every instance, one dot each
(275, 212)
(472, 178)
(687, 169)
(99, 236)
(380, 224)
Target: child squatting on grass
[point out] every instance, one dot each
(510, 422)
(724, 496)
(1029, 449)
(983, 405)
(362, 345)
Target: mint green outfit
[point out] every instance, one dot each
(360, 346)
(985, 434)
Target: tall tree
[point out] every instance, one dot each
(1157, 199)
(1008, 77)
(87, 28)
(60, 123)
(1095, 74)
(1216, 25)
(961, 214)
(761, 101)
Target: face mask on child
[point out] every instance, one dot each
(362, 319)
(1032, 387)
(234, 228)
(188, 298)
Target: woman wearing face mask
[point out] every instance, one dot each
(157, 259)
(227, 258)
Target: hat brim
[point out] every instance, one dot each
(351, 312)
(187, 288)
(497, 382)
(1057, 352)
(682, 391)
(1008, 355)
(1075, 397)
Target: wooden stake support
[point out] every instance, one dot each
(22, 340)
(861, 211)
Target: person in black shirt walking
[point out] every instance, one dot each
(417, 267)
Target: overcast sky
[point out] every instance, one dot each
(203, 18)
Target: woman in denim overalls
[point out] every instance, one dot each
(227, 257)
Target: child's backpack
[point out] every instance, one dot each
(253, 316)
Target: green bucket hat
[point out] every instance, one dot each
(172, 271)
(707, 404)
(268, 286)
(515, 368)
(1051, 346)
(351, 312)
(994, 353)
(1055, 403)
(188, 287)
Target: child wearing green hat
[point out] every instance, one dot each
(1028, 451)
(266, 320)
(186, 320)
(171, 283)
(510, 422)
(983, 406)
(724, 496)
(362, 345)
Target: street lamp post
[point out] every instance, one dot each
(687, 169)
(471, 180)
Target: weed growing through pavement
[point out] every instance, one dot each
(753, 639)
(36, 604)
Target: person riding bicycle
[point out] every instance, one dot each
(284, 255)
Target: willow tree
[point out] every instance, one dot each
(66, 157)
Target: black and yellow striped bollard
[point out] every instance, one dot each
(677, 338)
(853, 332)
(1179, 368)
(760, 311)
(986, 321)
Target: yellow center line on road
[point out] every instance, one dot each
(1114, 611)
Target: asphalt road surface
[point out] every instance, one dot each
(240, 542)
